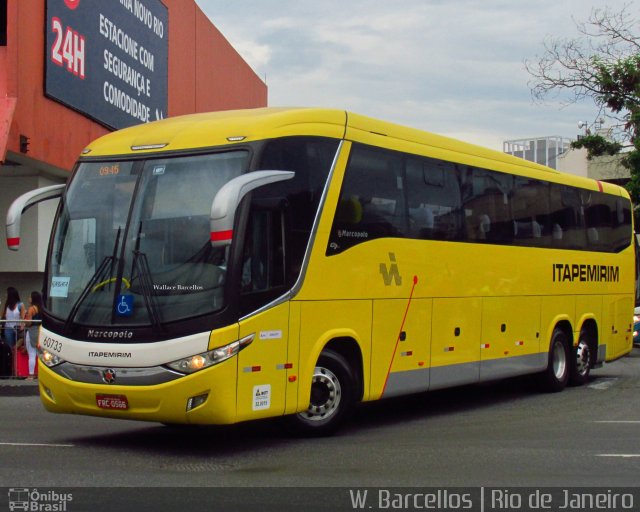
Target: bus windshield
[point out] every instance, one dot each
(131, 244)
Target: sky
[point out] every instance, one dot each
(453, 67)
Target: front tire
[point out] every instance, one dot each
(556, 376)
(332, 397)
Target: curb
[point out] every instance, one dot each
(19, 387)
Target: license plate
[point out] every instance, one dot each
(117, 402)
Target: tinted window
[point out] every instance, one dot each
(372, 201)
(486, 205)
(566, 216)
(390, 194)
(297, 199)
(433, 199)
(530, 212)
(621, 225)
(598, 220)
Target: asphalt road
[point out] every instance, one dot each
(504, 434)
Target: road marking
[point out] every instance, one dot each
(603, 384)
(620, 455)
(53, 445)
(618, 421)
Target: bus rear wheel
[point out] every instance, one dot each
(556, 376)
(581, 361)
(332, 397)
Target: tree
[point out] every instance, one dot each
(602, 64)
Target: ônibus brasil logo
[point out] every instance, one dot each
(33, 500)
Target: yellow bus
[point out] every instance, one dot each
(217, 268)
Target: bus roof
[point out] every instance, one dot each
(182, 133)
(226, 128)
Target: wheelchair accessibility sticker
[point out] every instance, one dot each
(124, 306)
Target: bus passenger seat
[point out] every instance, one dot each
(484, 226)
(557, 232)
(536, 228)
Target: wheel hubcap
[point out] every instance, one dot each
(559, 360)
(325, 395)
(583, 358)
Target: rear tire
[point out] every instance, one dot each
(332, 397)
(556, 376)
(581, 361)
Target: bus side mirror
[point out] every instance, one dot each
(23, 203)
(223, 208)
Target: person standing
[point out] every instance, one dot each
(14, 311)
(31, 337)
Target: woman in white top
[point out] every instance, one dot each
(13, 311)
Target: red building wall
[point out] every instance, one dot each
(205, 73)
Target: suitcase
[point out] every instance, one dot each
(22, 364)
(6, 360)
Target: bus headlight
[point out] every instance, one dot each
(204, 360)
(49, 358)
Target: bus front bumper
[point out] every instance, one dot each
(204, 397)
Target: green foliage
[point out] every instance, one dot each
(619, 91)
(604, 65)
(631, 161)
(597, 145)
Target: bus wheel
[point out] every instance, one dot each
(556, 376)
(580, 361)
(332, 397)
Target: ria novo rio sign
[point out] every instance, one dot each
(108, 60)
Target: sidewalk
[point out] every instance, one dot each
(18, 387)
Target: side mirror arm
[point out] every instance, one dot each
(23, 203)
(226, 201)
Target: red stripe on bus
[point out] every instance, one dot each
(219, 236)
(13, 242)
(404, 319)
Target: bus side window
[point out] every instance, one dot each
(621, 225)
(263, 260)
(372, 201)
(598, 219)
(433, 199)
(486, 202)
(530, 210)
(567, 218)
(311, 159)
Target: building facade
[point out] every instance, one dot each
(541, 150)
(73, 70)
(556, 152)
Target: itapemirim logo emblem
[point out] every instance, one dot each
(33, 500)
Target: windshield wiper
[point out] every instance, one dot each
(96, 278)
(141, 265)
